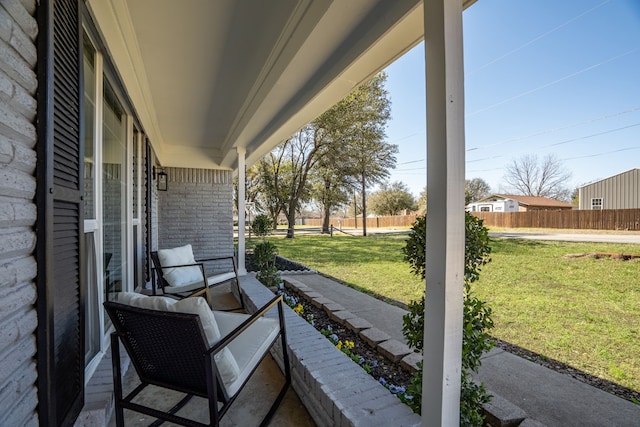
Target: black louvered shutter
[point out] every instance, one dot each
(60, 217)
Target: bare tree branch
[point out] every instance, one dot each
(531, 177)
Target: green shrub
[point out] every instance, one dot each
(264, 252)
(261, 225)
(476, 323)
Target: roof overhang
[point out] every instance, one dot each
(208, 77)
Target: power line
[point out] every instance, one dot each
(592, 135)
(542, 132)
(601, 154)
(535, 39)
(413, 161)
(546, 85)
(406, 137)
(486, 170)
(485, 158)
(412, 169)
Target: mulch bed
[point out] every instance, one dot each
(282, 264)
(392, 372)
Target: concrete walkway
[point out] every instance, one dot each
(548, 397)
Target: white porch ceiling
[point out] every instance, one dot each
(207, 76)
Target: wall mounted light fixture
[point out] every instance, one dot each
(161, 179)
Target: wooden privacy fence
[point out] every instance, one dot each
(377, 222)
(608, 219)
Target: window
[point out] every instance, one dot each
(89, 129)
(596, 204)
(112, 189)
(92, 313)
(114, 146)
(485, 209)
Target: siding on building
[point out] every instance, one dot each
(18, 318)
(197, 209)
(621, 191)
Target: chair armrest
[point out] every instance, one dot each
(247, 323)
(215, 259)
(196, 264)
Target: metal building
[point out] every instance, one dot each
(620, 191)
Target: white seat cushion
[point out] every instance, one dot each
(179, 276)
(250, 346)
(197, 284)
(225, 361)
(219, 278)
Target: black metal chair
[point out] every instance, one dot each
(159, 282)
(170, 350)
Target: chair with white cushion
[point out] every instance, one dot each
(179, 274)
(186, 347)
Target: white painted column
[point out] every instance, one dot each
(242, 271)
(445, 219)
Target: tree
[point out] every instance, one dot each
(546, 178)
(292, 162)
(332, 180)
(330, 187)
(392, 198)
(351, 138)
(371, 155)
(422, 202)
(259, 189)
(475, 189)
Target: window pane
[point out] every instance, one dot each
(113, 191)
(89, 115)
(92, 323)
(135, 168)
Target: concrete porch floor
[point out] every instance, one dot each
(249, 408)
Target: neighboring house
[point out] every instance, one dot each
(620, 191)
(515, 203)
(101, 98)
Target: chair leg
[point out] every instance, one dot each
(287, 369)
(117, 379)
(208, 297)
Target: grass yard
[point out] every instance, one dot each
(372, 264)
(584, 312)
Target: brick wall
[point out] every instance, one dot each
(18, 320)
(197, 209)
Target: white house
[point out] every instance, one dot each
(516, 203)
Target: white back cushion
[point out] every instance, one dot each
(225, 361)
(179, 276)
(138, 300)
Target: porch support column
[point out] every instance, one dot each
(445, 219)
(241, 210)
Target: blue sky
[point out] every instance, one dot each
(541, 77)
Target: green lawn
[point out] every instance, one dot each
(372, 264)
(583, 312)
